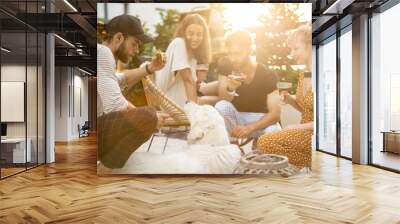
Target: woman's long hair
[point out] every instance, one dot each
(203, 52)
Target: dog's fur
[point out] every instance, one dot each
(207, 151)
(206, 126)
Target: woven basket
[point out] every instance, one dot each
(265, 164)
(156, 98)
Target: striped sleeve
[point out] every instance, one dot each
(108, 88)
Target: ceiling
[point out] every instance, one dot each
(76, 23)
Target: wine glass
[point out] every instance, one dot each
(283, 86)
(235, 80)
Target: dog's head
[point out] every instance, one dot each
(204, 119)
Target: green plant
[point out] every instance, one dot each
(166, 28)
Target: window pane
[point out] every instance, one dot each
(31, 98)
(385, 88)
(327, 97)
(41, 99)
(14, 150)
(346, 94)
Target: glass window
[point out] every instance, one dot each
(22, 91)
(346, 94)
(385, 89)
(15, 149)
(41, 98)
(31, 97)
(314, 72)
(327, 96)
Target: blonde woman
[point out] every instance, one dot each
(295, 141)
(191, 46)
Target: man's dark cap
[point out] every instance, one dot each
(128, 25)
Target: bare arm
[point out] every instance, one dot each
(131, 106)
(270, 118)
(132, 76)
(273, 115)
(223, 88)
(209, 89)
(296, 106)
(189, 83)
(289, 99)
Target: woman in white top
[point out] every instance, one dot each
(191, 46)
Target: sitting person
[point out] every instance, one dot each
(122, 127)
(295, 141)
(191, 46)
(250, 105)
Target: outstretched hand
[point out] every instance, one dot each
(242, 131)
(287, 98)
(157, 62)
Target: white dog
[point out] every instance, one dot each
(206, 125)
(207, 150)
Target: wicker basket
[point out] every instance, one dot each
(156, 98)
(265, 164)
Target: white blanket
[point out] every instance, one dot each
(207, 150)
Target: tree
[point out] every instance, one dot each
(272, 48)
(166, 28)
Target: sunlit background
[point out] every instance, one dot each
(267, 23)
(238, 15)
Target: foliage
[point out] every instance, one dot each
(100, 35)
(272, 48)
(166, 28)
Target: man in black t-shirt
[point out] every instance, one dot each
(251, 102)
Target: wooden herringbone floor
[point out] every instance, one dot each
(70, 191)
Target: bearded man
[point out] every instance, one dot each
(122, 127)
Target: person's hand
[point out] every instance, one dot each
(286, 97)
(234, 81)
(242, 131)
(161, 119)
(157, 62)
(201, 75)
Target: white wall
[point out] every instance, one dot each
(12, 73)
(69, 85)
(34, 125)
(62, 81)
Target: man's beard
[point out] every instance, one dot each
(122, 55)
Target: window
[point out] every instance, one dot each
(385, 86)
(346, 93)
(327, 96)
(22, 75)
